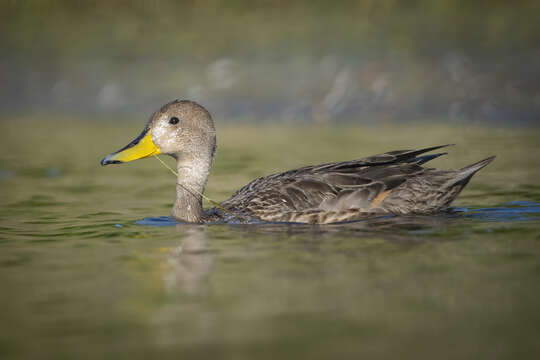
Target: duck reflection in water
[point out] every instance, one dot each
(190, 263)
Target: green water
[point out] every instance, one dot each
(89, 269)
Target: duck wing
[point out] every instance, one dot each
(358, 185)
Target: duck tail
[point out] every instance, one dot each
(464, 174)
(473, 168)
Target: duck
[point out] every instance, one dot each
(391, 183)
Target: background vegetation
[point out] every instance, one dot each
(303, 60)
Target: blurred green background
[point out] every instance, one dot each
(304, 61)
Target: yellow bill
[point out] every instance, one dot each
(141, 147)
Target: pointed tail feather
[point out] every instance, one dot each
(471, 169)
(464, 174)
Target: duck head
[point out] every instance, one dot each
(182, 129)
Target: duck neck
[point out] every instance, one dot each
(190, 184)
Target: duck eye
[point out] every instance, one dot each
(174, 120)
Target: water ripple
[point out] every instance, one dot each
(510, 212)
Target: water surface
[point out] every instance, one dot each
(91, 267)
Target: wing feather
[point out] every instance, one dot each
(332, 187)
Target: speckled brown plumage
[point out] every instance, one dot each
(394, 182)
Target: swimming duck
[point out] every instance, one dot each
(391, 183)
